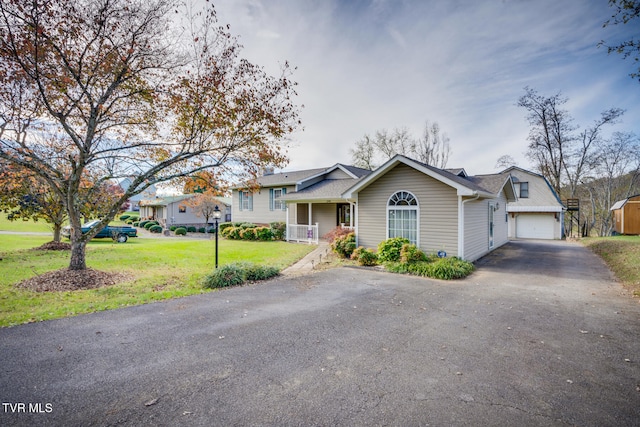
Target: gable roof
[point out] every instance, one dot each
(299, 177)
(620, 203)
(487, 186)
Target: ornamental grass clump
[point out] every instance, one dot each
(238, 273)
(400, 256)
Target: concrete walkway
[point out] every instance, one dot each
(309, 262)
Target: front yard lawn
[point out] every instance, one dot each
(155, 269)
(622, 255)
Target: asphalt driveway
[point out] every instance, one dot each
(541, 334)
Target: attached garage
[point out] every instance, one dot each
(535, 226)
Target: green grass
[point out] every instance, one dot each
(157, 269)
(622, 255)
(24, 226)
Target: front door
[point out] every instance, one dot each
(302, 214)
(344, 214)
(491, 211)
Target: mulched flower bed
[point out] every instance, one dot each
(54, 246)
(71, 280)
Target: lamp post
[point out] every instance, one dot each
(216, 215)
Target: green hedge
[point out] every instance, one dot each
(155, 228)
(150, 224)
(181, 231)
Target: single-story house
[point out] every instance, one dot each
(626, 215)
(538, 213)
(134, 201)
(173, 210)
(309, 201)
(438, 210)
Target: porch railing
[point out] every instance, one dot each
(302, 233)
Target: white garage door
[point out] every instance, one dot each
(535, 226)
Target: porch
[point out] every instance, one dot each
(308, 222)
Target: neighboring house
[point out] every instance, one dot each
(626, 215)
(173, 210)
(309, 201)
(134, 201)
(538, 213)
(436, 209)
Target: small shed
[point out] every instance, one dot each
(626, 215)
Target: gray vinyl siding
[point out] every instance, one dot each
(438, 209)
(261, 213)
(325, 215)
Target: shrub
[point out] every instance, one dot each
(440, 268)
(237, 273)
(410, 253)
(136, 224)
(124, 217)
(222, 226)
(389, 250)
(202, 230)
(155, 228)
(335, 233)
(226, 275)
(191, 229)
(364, 256)
(255, 272)
(264, 233)
(248, 233)
(149, 224)
(233, 233)
(181, 231)
(173, 227)
(144, 222)
(278, 230)
(449, 268)
(246, 225)
(345, 245)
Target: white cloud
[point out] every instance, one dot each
(384, 64)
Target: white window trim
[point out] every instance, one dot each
(415, 207)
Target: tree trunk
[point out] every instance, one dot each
(57, 228)
(78, 260)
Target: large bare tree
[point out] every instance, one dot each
(431, 148)
(154, 89)
(555, 149)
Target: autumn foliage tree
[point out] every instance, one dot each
(148, 88)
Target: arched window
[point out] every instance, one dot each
(402, 216)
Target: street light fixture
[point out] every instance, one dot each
(217, 214)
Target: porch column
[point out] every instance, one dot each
(351, 214)
(286, 228)
(309, 222)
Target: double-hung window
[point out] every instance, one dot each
(402, 216)
(246, 200)
(275, 204)
(524, 190)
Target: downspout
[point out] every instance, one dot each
(461, 222)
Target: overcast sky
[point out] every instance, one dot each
(368, 65)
